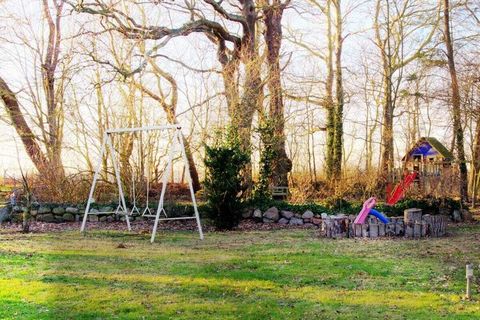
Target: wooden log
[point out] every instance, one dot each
(424, 227)
(410, 218)
(381, 230)
(409, 230)
(427, 219)
(399, 229)
(358, 230)
(412, 215)
(365, 230)
(335, 228)
(373, 229)
(417, 229)
(351, 232)
(390, 229)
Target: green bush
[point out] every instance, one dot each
(261, 191)
(223, 182)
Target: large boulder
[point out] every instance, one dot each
(43, 210)
(295, 221)
(283, 221)
(287, 214)
(257, 214)
(106, 209)
(266, 220)
(307, 214)
(272, 214)
(47, 217)
(4, 214)
(72, 210)
(58, 210)
(68, 217)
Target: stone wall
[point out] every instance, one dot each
(63, 213)
(331, 226)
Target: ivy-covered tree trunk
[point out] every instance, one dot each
(329, 104)
(456, 104)
(339, 95)
(281, 164)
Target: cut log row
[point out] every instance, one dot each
(412, 225)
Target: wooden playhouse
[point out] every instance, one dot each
(434, 165)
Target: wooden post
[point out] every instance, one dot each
(365, 230)
(390, 229)
(357, 230)
(469, 276)
(373, 230)
(412, 215)
(417, 229)
(410, 218)
(381, 229)
(399, 228)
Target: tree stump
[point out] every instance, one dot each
(390, 229)
(381, 229)
(365, 230)
(412, 215)
(373, 228)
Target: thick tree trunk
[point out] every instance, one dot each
(242, 116)
(54, 105)
(476, 163)
(329, 104)
(386, 163)
(339, 95)
(456, 104)
(281, 164)
(387, 131)
(20, 124)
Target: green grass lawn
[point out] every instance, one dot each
(237, 275)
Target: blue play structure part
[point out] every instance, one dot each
(380, 216)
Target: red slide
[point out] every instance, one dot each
(400, 188)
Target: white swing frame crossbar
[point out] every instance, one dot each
(177, 139)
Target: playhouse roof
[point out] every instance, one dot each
(429, 146)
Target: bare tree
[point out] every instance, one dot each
(456, 102)
(45, 149)
(400, 21)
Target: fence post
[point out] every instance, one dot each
(469, 276)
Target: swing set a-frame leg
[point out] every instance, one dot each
(107, 143)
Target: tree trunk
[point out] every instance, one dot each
(476, 163)
(281, 164)
(457, 125)
(28, 138)
(339, 95)
(242, 117)
(329, 105)
(54, 105)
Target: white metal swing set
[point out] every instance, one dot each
(177, 141)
